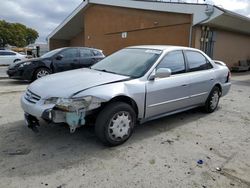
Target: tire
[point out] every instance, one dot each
(41, 72)
(212, 100)
(115, 123)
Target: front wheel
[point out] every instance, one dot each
(212, 100)
(16, 60)
(115, 123)
(41, 72)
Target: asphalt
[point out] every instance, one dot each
(3, 70)
(191, 149)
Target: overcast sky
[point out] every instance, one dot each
(44, 16)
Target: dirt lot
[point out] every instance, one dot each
(161, 153)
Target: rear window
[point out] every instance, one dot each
(97, 53)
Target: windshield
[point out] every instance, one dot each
(129, 62)
(51, 53)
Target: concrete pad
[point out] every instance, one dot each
(161, 153)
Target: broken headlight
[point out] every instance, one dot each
(75, 104)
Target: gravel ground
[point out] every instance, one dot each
(161, 153)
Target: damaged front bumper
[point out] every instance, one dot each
(51, 113)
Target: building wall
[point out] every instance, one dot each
(231, 47)
(56, 43)
(196, 37)
(78, 40)
(104, 26)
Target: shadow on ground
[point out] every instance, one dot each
(10, 82)
(54, 148)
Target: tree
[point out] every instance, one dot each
(16, 34)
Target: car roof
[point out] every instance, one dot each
(162, 47)
(81, 47)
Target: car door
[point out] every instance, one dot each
(66, 59)
(86, 58)
(172, 93)
(201, 71)
(7, 57)
(2, 58)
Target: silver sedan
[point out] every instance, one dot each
(133, 85)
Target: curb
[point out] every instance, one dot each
(3, 77)
(9, 92)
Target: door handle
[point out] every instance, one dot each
(184, 85)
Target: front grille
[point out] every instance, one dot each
(31, 97)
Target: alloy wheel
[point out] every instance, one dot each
(42, 73)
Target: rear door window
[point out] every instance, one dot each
(174, 61)
(85, 53)
(97, 53)
(196, 61)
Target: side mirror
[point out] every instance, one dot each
(160, 73)
(59, 57)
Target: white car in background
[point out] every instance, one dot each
(8, 57)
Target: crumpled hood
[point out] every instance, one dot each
(67, 83)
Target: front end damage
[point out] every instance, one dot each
(74, 119)
(71, 111)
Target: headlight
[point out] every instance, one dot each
(75, 104)
(24, 64)
(52, 100)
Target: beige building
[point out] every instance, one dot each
(114, 24)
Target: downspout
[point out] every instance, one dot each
(190, 35)
(209, 12)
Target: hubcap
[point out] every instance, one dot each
(119, 126)
(214, 100)
(42, 73)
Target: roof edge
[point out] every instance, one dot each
(198, 11)
(67, 19)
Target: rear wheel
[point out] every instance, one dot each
(213, 100)
(41, 72)
(115, 123)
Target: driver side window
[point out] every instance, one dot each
(70, 53)
(174, 61)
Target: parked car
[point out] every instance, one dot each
(62, 59)
(135, 84)
(8, 57)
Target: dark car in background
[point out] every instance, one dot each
(57, 60)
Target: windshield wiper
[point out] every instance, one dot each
(104, 70)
